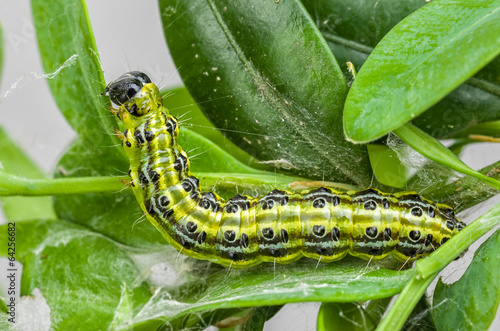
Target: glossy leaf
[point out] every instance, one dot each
(15, 162)
(421, 60)
(477, 100)
(263, 74)
(77, 83)
(481, 282)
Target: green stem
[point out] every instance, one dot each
(11, 185)
(457, 244)
(428, 268)
(407, 300)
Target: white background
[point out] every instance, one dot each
(129, 37)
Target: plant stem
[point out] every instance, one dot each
(407, 300)
(457, 244)
(428, 268)
(11, 185)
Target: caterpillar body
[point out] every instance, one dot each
(278, 227)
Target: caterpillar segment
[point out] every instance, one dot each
(280, 226)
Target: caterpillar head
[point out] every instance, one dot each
(134, 94)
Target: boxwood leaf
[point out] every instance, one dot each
(261, 72)
(422, 59)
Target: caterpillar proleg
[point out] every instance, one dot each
(280, 226)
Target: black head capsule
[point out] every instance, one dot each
(126, 87)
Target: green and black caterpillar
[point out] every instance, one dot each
(278, 227)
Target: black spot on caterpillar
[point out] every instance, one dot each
(281, 226)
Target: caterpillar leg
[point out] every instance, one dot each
(119, 134)
(127, 182)
(114, 111)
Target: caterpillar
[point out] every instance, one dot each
(280, 226)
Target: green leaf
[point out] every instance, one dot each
(15, 162)
(72, 68)
(489, 129)
(261, 72)
(434, 150)
(387, 167)
(421, 60)
(86, 279)
(477, 100)
(267, 284)
(481, 283)
(77, 88)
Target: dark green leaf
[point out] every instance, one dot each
(400, 80)
(471, 303)
(262, 73)
(15, 162)
(475, 101)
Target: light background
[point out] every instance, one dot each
(129, 37)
